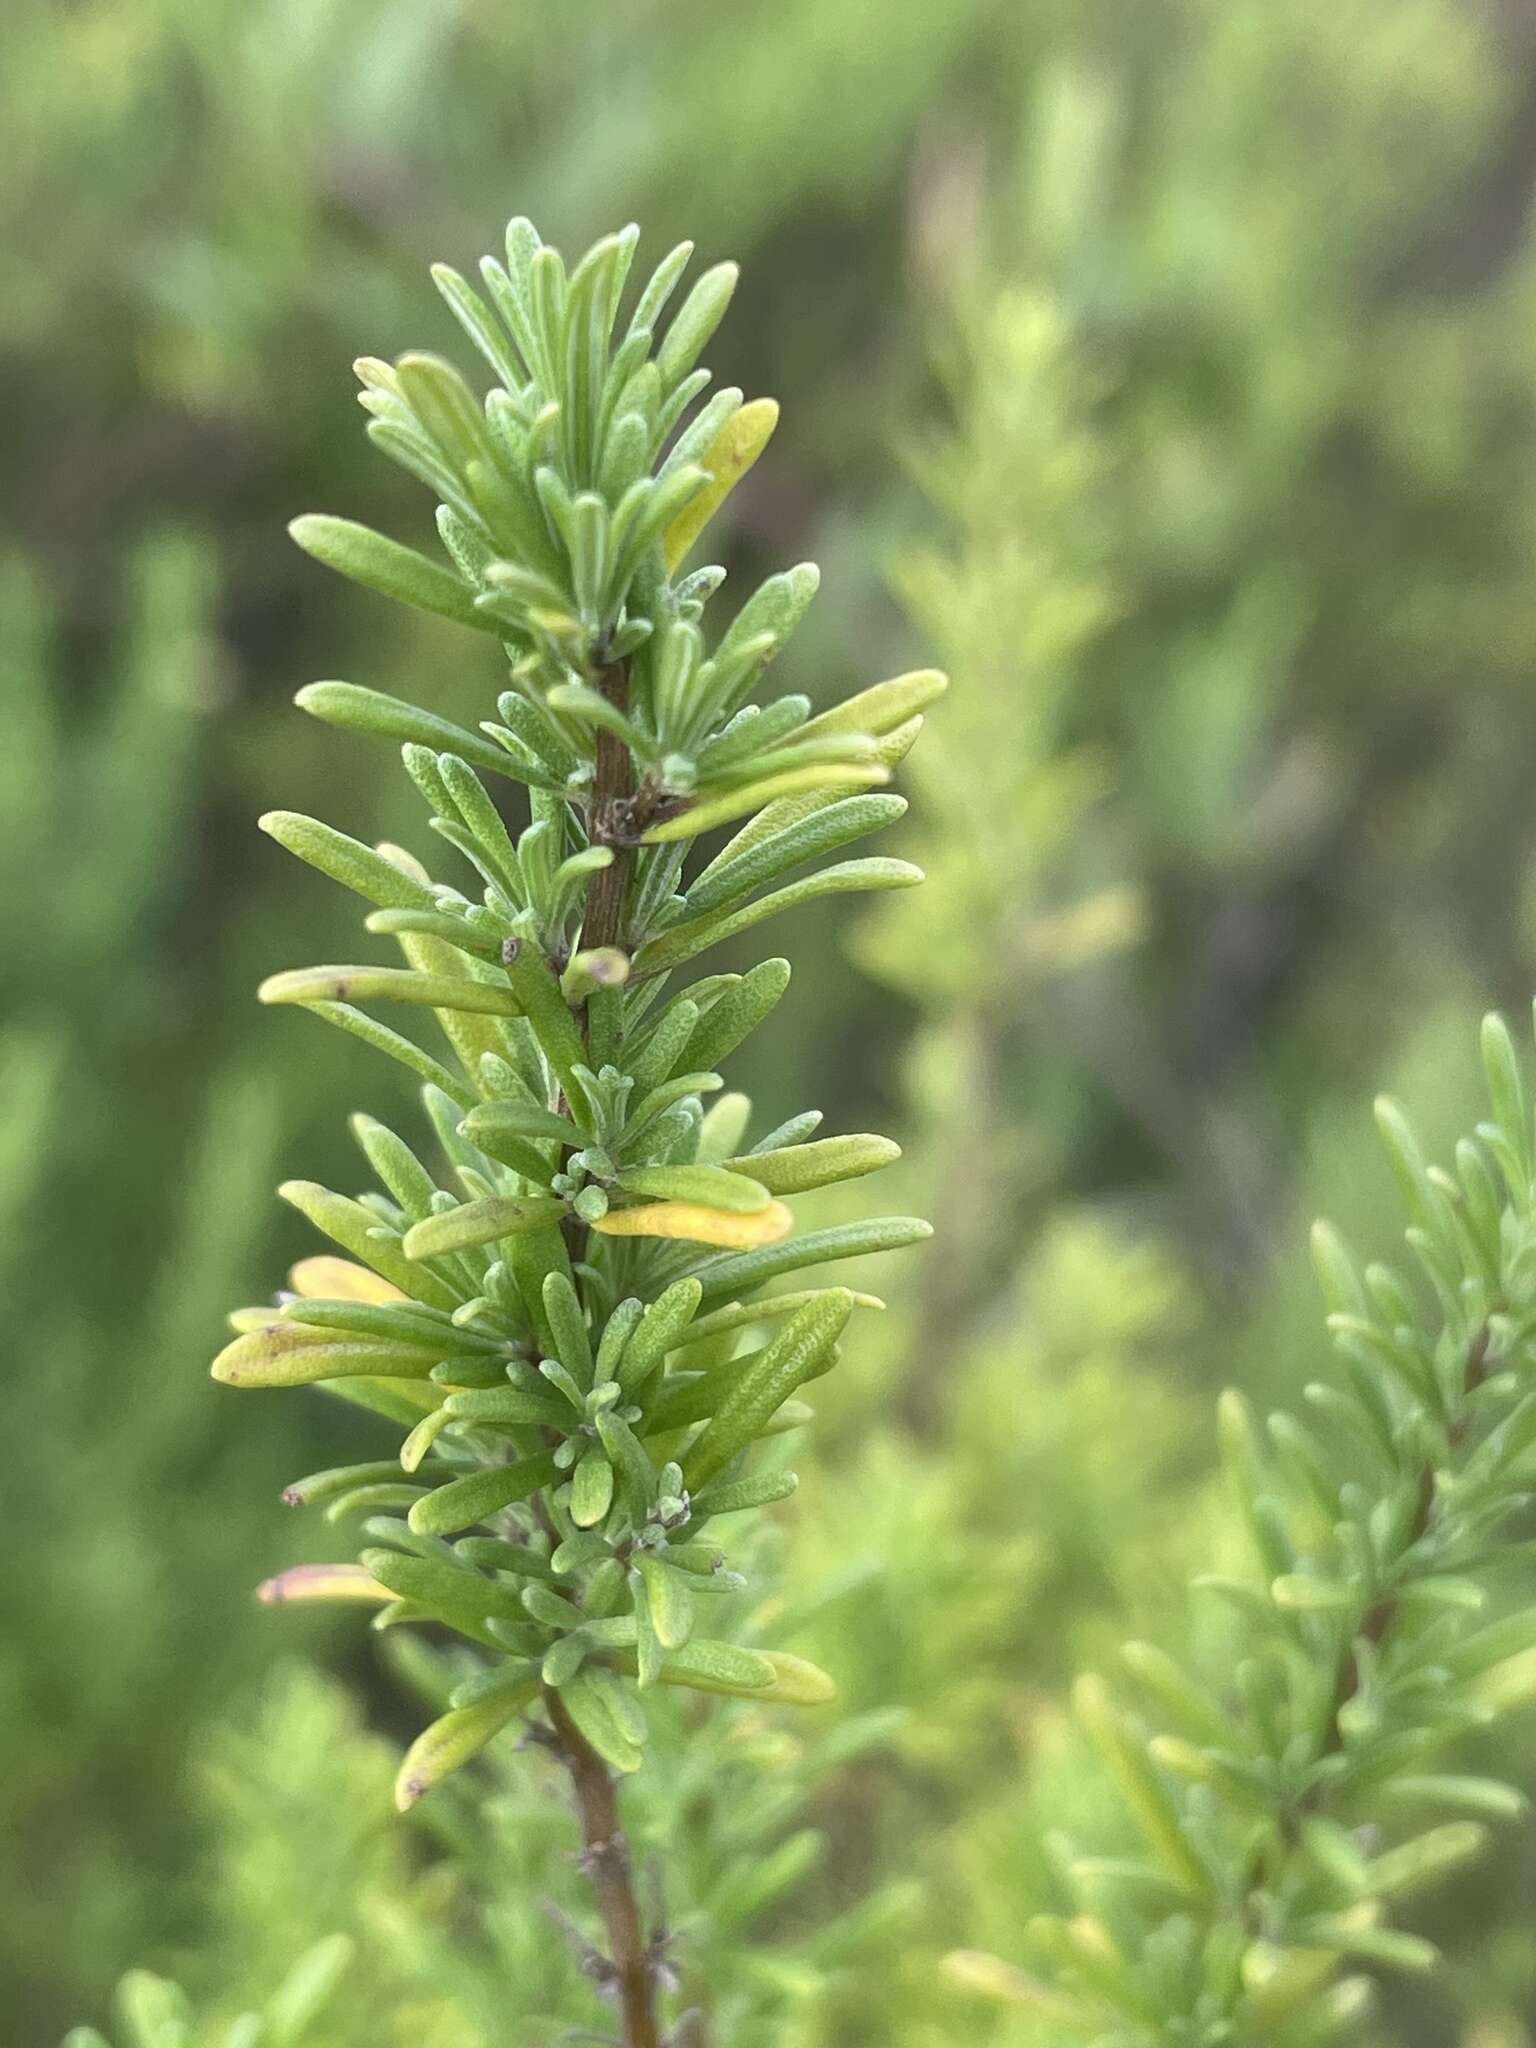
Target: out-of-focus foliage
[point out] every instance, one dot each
(108, 1289)
(155, 2012)
(1231, 310)
(1282, 1804)
(474, 1913)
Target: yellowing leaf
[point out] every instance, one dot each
(990, 1977)
(284, 1354)
(243, 1320)
(883, 707)
(691, 1220)
(324, 1278)
(454, 1739)
(728, 458)
(797, 1682)
(321, 1582)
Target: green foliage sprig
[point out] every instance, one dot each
(1282, 1809)
(567, 1336)
(154, 2012)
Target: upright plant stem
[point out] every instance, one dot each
(605, 1853)
(603, 922)
(605, 1857)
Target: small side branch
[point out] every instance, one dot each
(1379, 1621)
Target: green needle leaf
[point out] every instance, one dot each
(591, 1490)
(773, 1675)
(387, 984)
(347, 861)
(797, 1168)
(733, 1274)
(483, 1222)
(384, 565)
(696, 320)
(713, 1186)
(669, 1600)
(356, 709)
(683, 941)
(753, 796)
(757, 1394)
(463, 1502)
(590, 1706)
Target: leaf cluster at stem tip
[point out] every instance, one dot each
(570, 1335)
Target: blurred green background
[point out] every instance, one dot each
(1168, 373)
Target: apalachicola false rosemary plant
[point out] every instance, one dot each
(572, 1338)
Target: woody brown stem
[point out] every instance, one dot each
(605, 1853)
(605, 1857)
(611, 822)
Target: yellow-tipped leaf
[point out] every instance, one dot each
(693, 1222)
(727, 459)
